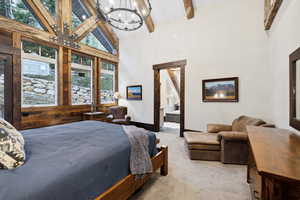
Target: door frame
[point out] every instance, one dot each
(177, 64)
(14, 50)
(8, 87)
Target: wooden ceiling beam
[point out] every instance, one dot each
(86, 27)
(107, 30)
(36, 34)
(174, 80)
(28, 31)
(189, 8)
(42, 14)
(64, 13)
(141, 5)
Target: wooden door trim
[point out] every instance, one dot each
(8, 87)
(177, 64)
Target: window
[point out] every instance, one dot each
(19, 11)
(81, 80)
(92, 41)
(50, 5)
(80, 13)
(96, 39)
(39, 75)
(107, 84)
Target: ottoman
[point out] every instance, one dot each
(203, 146)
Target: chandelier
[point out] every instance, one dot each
(126, 15)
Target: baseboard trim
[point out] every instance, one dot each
(149, 127)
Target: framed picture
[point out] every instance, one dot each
(220, 90)
(134, 92)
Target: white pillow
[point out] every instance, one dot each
(12, 154)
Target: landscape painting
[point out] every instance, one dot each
(134, 92)
(220, 90)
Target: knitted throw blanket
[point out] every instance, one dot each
(140, 161)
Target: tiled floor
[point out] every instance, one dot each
(194, 180)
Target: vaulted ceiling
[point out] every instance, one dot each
(164, 11)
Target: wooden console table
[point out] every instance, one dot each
(274, 164)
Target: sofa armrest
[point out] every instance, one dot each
(216, 128)
(233, 135)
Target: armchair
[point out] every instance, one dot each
(119, 115)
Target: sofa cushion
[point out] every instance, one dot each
(202, 141)
(242, 122)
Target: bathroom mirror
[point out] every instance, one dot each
(295, 89)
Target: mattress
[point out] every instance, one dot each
(72, 161)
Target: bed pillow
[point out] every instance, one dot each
(12, 154)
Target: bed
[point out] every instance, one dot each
(81, 160)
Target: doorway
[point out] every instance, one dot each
(170, 67)
(6, 87)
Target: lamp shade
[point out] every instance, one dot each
(117, 95)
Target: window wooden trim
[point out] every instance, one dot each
(40, 58)
(116, 82)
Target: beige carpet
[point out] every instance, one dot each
(194, 180)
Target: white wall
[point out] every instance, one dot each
(284, 38)
(224, 39)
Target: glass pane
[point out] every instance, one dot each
(108, 66)
(92, 41)
(17, 10)
(38, 81)
(2, 66)
(105, 42)
(80, 13)
(31, 48)
(48, 52)
(50, 5)
(86, 61)
(107, 88)
(81, 86)
(75, 21)
(76, 59)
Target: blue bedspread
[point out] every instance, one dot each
(72, 161)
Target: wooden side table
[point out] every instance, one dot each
(100, 116)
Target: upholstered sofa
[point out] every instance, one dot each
(225, 143)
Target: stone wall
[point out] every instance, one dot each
(81, 95)
(38, 91)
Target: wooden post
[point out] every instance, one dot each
(156, 100)
(164, 170)
(64, 13)
(67, 82)
(16, 37)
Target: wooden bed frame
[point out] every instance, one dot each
(128, 185)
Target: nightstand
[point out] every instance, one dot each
(100, 116)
